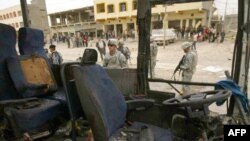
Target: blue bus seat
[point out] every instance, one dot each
(7, 49)
(31, 41)
(31, 75)
(73, 102)
(17, 110)
(104, 105)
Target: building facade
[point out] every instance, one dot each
(37, 13)
(73, 21)
(119, 17)
(12, 16)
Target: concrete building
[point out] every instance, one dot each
(75, 20)
(119, 17)
(37, 13)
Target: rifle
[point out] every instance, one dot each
(178, 67)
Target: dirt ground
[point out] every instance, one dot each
(213, 60)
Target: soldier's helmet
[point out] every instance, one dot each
(121, 43)
(112, 42)
(186, 45)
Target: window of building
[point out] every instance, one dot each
(21, 24)
(17, 26)
(198, 22)
(134, 6)
(123, 6)
(1, 18)
(91, 18)
(110, 8)
(7, 16)
(100, 8)
(4, 17)
(58, 21)
(174, 24)
(11, 16)
(14, 14)
(19, 13)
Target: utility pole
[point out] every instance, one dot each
(164, 26)
(224, 16)
(225, 11)
(25, 15)
(211, 10)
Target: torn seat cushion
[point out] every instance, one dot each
(31, 75)
(30, 116)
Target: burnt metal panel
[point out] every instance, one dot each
(125, 80)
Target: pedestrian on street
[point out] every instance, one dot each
(101, 46)
(153, 55)
(188, 65)
(195, 39)
(124, 50)
(55, 57)
(85, 40)
(222, 34)
(114, 58)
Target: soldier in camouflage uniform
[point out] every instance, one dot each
(188, 65)
(153, 54)
(124, 50)
(114, 59)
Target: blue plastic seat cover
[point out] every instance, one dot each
(7, 49)
(236, 91)
(31, 41)
(104, 104)
(29, 118)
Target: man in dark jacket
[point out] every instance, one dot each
(55, 57)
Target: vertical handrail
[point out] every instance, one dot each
(25, 15)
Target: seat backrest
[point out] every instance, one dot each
(89, 57)
(31, 75)
(31, 41)
(73, 101)
(7, 49)
(102, 102)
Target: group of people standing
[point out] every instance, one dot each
(117, 56)
(73, 40)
